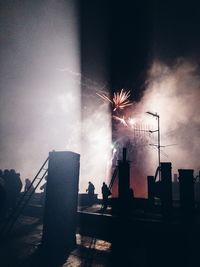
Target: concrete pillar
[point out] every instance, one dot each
(166, 187)
(186, 182)
(151, 189)
(124, 181)
(60, 214)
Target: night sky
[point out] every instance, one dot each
(131, 34)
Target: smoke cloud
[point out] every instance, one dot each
(40, 106)
(173, 92)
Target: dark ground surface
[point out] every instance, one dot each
(22, 247)
(144, 240)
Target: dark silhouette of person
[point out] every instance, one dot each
(44, 188)
(13, 186)
(28, 185)
(7, 184)
(17, 186)
(131, 194)
(105, 193)
(2, 194)
(90, 191)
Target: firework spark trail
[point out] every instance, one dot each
(120, 99)
(104, 97)
(69, 71)
(85, 81)
(122, 120)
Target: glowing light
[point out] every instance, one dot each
(112, 146)
(122, 120)
(120, 99)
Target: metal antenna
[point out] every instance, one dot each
(158, 145)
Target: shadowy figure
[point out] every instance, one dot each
(131, 194)
(28, 185)
(44, 187)
(2, 194)
(105, 193)
(130, 203)
(13, 186)
(90, 191)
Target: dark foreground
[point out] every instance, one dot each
(140, 239)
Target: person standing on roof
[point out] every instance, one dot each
(90, 191)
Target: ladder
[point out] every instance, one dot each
(113, 177)
(23, 201)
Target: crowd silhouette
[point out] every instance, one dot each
(10, 188)
(105, 194)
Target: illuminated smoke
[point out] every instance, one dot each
(174, 93)
(41, 94)
(40, 105)
(96, 146)
(133, 133)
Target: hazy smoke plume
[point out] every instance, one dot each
(173, 92)
(39, 105)
(41, 93)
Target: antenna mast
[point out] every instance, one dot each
(158, 145)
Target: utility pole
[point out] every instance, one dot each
(158, 131)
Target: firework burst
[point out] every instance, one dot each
(120, 99)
